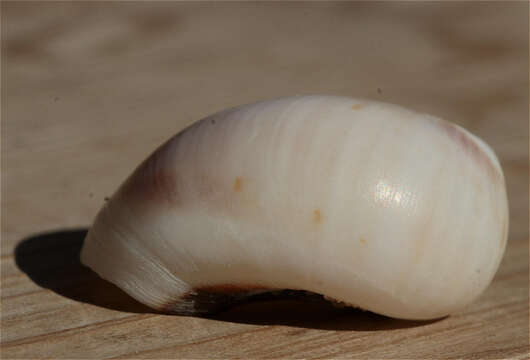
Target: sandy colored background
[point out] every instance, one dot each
(90, 89)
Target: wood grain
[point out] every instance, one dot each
(90, 89)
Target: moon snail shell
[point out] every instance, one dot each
(367, 203)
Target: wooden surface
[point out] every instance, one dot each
(89, 90)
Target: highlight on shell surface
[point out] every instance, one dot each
(367, 203)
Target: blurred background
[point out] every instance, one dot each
(89, 89)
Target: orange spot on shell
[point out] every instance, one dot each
(238, 184)
(317, 216)
(363, 241)
(356, 106)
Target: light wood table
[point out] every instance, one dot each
(90, 89)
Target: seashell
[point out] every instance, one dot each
(367, 203)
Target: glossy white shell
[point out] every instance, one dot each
(394, 211)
